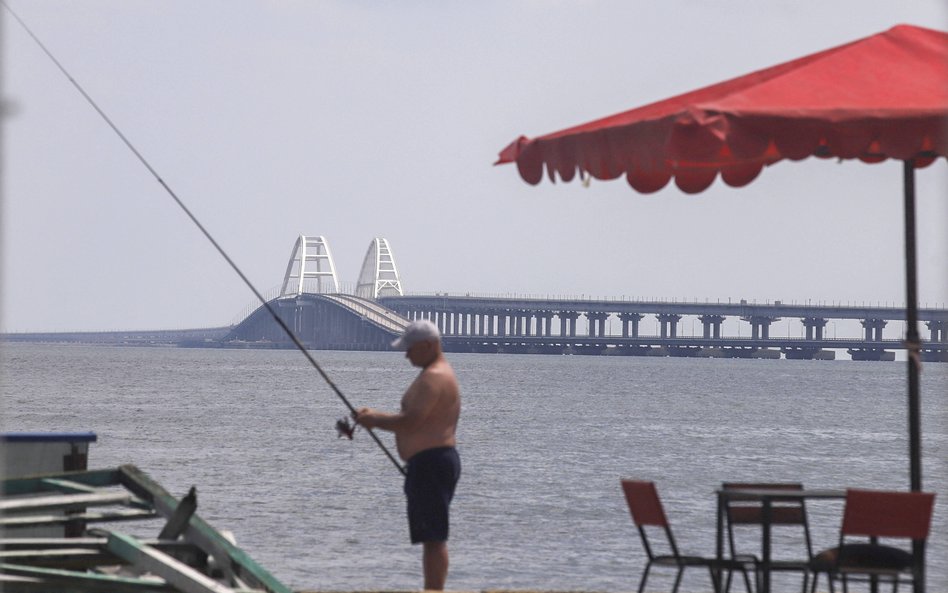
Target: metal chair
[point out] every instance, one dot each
(647, 512)
(747, 511)
(875, 514)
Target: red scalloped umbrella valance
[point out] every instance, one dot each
(881, 97)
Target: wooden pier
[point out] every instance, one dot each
(187, 555)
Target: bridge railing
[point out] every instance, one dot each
(373, 311)
(673, 300)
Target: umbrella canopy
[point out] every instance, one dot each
(881, 97)
(884, 96)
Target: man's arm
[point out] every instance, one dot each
(416, 405)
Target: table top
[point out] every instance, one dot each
(769, 493)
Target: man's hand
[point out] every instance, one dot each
(366, 417)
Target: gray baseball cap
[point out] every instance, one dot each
(417, 331)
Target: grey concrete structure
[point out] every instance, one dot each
(587, 326)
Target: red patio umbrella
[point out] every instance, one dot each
(881, 97)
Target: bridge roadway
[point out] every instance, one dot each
(483, 324)
(371, 311)
(743, 309)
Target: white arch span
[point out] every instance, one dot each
(379, 276)
(310, 269)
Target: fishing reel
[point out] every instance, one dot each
(345, 428)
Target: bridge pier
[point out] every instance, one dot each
(568, 323)
(597, 324)
(873, 333)
(453, 323)
(630, 324)
(938, 336)
(760, 326)
(806, 353)
(502, 324)
(813, 327)
(546, 324)
(873, 329)
(524, 324)
(939, 331)
(712, 325)
(668, 324)
(873, 354)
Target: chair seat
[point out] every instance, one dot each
(858, 557)
(789, 566)
(683, 561)
(877, 514)
(795, 565)
(724, 564)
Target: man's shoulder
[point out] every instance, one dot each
(439, 371)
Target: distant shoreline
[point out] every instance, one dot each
(213, 338)
(175, 337)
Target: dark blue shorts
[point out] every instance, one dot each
(429, 486)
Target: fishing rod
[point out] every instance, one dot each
(342, 426)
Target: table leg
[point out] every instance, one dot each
(765, 546)
(918, 570)
(719, 542)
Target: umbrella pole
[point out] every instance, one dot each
(912, 340)
(913, 347)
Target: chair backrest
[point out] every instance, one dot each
(644, 504)
(749, 510)
(647, 511)
(879, 513)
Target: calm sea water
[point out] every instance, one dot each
(544, 441)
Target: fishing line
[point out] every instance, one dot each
(296, 341)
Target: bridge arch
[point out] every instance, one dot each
(379, 275)
(311, 268)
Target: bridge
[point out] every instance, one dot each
(311, 304)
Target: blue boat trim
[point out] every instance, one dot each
(48, 437)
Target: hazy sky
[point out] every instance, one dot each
(356, 120)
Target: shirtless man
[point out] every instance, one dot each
(425, 438)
